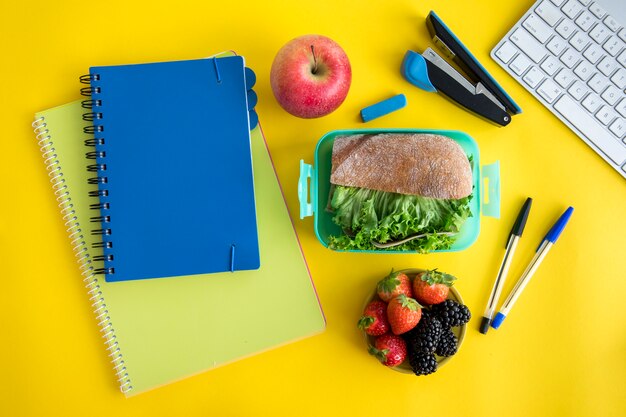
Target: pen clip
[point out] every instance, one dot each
(555, 231)
(520, 222)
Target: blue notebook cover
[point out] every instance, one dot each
(173, 162)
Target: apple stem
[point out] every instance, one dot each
(314, 70)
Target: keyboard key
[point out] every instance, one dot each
(579, 41)
(558, 2)
(528, 44)
(618, 127)
(551, 65)
(520, 64)
(564, 78)
(537, 28)
(570, 58)
(607, 65)
(611, 23)
(597, 10)
(572, 8)
(549, 90)
(593, 53)
(550, 14)
(566, 28)
(585, 2)
(584, 70)
(613, 46)
(598, 83)
(622, 34)
(533, 77)
(585, 21)
(506, 51)
(590, 128)
(599, 33)
(611, 95)
(592, 103)
(621, 107)
(622, 58)
(557, 45)
(606, 115)
(578, 90)
(619, 79)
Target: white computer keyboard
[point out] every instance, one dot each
(571, 55)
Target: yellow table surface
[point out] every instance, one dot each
(561, 351)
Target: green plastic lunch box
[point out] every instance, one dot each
(314, 188)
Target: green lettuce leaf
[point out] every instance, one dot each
(368, 216)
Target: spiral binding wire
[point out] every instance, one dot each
(79, 246)
(95, 128)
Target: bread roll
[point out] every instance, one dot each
(418, 164)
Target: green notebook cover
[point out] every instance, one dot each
(162, 330)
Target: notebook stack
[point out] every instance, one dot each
(183, 235)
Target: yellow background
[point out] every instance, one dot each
(562, 350)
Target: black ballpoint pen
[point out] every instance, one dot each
(514, 236)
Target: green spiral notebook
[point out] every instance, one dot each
(159, 331)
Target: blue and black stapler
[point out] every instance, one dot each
(479, 92)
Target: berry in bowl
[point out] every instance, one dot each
(414, 321)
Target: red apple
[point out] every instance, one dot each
(310, 76)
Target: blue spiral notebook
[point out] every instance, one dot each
(173, 165)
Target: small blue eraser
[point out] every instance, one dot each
(497, 320)
(384, 107)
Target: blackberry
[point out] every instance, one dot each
(448, 344)
(451, 314)
(422, 363)
(425, 336)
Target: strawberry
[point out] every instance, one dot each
(393, 285)
(403, 313)
(432, 287)
(374, 320)
(389, 349)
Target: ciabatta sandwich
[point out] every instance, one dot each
(400, 191)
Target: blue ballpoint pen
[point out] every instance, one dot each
(547, 242)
